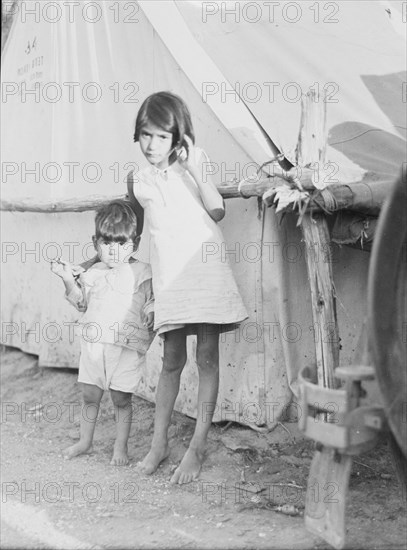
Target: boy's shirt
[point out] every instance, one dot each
(115, 302)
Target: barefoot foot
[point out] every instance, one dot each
(79, 448)
(120, 456)
(153, 459)
(189, 468)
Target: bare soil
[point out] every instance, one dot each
(49, 502)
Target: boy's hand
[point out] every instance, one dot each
(149, 320)
(62, 269)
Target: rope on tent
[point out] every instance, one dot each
(282, 176)
(330, 202)
(244, 181)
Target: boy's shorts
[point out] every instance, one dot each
(110, 367)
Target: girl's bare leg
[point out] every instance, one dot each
(207, 356)
(174, 360)
(122, 413)
(91, 396)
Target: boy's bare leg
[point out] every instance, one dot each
(207, 355)
(174, 360)
(91, 396)
(123, 412)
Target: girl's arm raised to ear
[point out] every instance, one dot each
(200, 170)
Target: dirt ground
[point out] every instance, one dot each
(48, 502)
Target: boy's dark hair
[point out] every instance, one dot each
(167, 111)
(116, 222)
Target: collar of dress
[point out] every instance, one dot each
(174, 167)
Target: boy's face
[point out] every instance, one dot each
(114, 254)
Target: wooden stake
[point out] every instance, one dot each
(311, 149)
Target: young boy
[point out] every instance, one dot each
(116, 296)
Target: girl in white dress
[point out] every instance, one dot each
(195, 291)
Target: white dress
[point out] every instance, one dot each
(192, 280)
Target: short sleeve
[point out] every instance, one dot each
(77, 297)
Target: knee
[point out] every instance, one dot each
(207, 358)
(174, 358)
(120, 399)
(91, 395)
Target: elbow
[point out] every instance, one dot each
(217, 214)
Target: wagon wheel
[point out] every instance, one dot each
(387, 307)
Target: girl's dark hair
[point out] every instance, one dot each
(116, 222)
(167, 111)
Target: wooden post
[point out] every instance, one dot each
(324, 517)
(311, 149)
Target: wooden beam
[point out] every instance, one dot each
(29, 204)
(229, 190)
(360, 196)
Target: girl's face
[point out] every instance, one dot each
(156, 145)
(114, 254)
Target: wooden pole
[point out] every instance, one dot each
(311, 149)
(229, 190)
(359, 196)
(28, 204)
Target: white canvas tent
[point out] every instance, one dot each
(73, 78)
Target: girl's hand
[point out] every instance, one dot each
(149, 320)
(186, 156)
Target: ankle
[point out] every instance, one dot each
(197, 447)
(159, 443)
(120, 444)
(85, 443)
